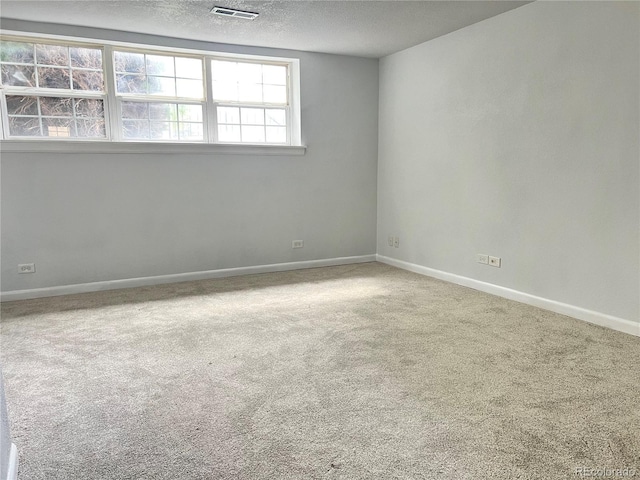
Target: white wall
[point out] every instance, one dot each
(5, 434)
(519, 137)
(8, 450)
(85, 218)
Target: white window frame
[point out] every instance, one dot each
(132, 97)
(264, 105)
(53, 92)
(113, 100)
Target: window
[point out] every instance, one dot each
(53, 90)
(251, 101)
(62, 90)
(160, 97)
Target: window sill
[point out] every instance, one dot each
(97, 147)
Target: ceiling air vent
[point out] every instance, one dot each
(232, 12)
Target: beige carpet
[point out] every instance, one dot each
(353, 372)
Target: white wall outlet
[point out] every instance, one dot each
(390, 240)
(27, 268)
(495, 261)
(396, 242)
(483, 259)
(297, 244)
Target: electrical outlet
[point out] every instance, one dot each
(390, 240)
(484, 259)
(495, 261)
(396, 242)
(297, 244)
(27, 268)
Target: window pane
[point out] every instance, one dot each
(162, 86)
(138, 129)
(24, 127)
(87, 80)
(163, 111)
(129, 62)
(274, 74)
(190, 113)
(51, 77)
(131, 83)
(225, 91)
(253, 134)
(250, 92)
(57, 116)
(159, 121)
(86, 57)
(224, 71)
(229, 133)
(94, 128)
(160, 65)
(189, 67)
(135, 110)
(276, 135)
(249, 83)
(229, 115)
(275, 94)
(249, 73)
(276, 117)
(191, 131)
(16, 52)
(87, 107)
(52, 55)
(56, 107)
(58, 127)
(190, 88)
(252, 116)
(159, 75)
(17, 105)
(18, 75)
(164, 130)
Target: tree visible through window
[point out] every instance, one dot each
(63, 73)
(146, 82)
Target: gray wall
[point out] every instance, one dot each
(86, 218)
(518, 137)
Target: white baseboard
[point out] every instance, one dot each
(12, 470)
(178, 277)
(597, 318)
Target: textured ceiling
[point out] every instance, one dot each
(368, 28)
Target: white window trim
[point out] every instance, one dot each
(51, 145)
(115, 144)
